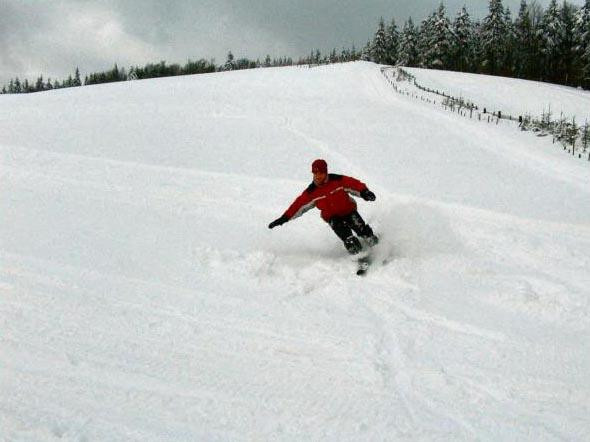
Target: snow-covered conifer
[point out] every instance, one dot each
(392, 39)
(582, 44)
(565, 69)
(333, 56)
(493, 37)
(462, 32)
(586, 67)
(40, 84)
(511, 45)
(408, 53)
(551, 33)
(440, 44)
(229, 63)
(379, 49)
(365, 53)
(475, 50)
(425, 37)
(526, 56)
(77, 81)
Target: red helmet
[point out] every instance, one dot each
(319, 165)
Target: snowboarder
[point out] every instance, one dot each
(329, 193)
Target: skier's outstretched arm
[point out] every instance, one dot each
(301, 205)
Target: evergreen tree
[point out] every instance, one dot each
(567, 49)
(408, 52)
(244, 63)
(525, 54)
(229, 63)
(586, 67)
(316, 56)
(4, 91)
(476, 53)
(511, 45)
(267, 61)
(333, 56)
(365, 53)
(582, 45)
(392, 39)
(379, 47)
(493, 38)
(551, 33)
(345, 55)
(425, 37)
(40, 85)
(119, 74)
(77, 81)
(462, 41)
(440, 42)
(17, 86)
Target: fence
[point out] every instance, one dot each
(567, 133)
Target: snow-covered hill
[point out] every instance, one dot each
(142, 296)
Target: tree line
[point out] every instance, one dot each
(17, 86)
(150, 70)
(550, 45)
(162, 69)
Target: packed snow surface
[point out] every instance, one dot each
(142, 296)
(511, 96)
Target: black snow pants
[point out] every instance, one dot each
(344, 225)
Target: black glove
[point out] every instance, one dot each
(277, 222)
(367, 195)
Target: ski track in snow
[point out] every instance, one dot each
(143, 298)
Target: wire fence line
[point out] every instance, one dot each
(574, 139)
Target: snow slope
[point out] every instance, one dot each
(143, 298)
(511, 96)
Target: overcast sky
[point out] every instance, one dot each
(52, 37)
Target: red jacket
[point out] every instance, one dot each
(331, 198)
